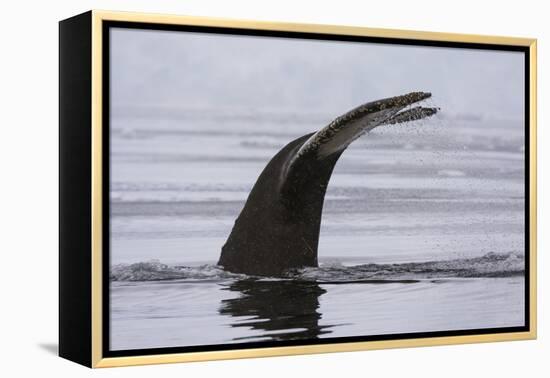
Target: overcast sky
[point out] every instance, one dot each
(180, 69)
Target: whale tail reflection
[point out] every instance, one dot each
(276, 310)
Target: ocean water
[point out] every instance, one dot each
(422, 230)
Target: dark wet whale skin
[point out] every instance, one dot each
(278, 228)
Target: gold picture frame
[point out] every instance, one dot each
(83, 277)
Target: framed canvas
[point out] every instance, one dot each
(235, 189)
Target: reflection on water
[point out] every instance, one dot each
(155, 305)
(280, 310)
(192, 312)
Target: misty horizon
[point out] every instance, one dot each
(170, 72)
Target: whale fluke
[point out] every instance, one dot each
(278, 228)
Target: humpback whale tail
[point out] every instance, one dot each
(278, 228)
